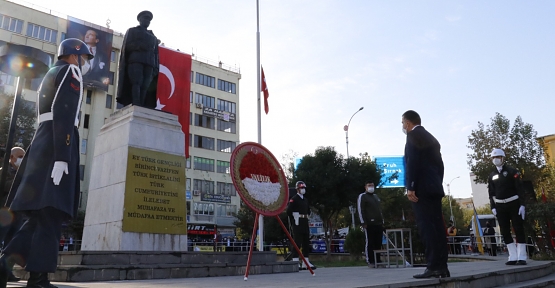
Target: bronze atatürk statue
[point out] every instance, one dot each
(138, 65)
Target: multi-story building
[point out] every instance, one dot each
(480, 194)
(549, 142)
(211, 197)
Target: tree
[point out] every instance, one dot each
(333, 183)
(25, 125)
(522, 147)
(288, 164)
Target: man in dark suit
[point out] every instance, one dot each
(95, 71)
(424, 178)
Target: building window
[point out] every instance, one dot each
(192, 76)
(41, 33)
(111, 77)
(113, 56)
(11, 24)
(205, 121)
(206, 80)
(81, 172)
(109, 100)
(225, 189)
(204, 142)
(223, 167)
(226, 126)
(227, 210)
(203, 164)
(86, 121)
(83, 146)
(206, 101)
(188, 163)
(226, 86)
(226, 146)
(204, 186)
(63, 36)
(88, 98)
(191, 97)
(190, 140)
(188, 184)
(226, 106)
(201, 208)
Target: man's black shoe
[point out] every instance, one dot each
(430, 274)
(39, 280)
(445, 273)
(13, 278)
(510, 263)
(521, 262)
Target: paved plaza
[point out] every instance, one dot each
(325, 277)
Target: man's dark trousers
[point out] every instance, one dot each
(35, 245)
(301, 236)
(373, 242)
(431, 227)
(507, 213)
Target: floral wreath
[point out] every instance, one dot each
(259, 179)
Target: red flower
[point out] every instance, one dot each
(257, 164)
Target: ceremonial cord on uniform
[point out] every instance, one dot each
(74, 70)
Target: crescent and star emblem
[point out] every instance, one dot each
(164, 70)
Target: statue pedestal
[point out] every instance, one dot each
(136, 199)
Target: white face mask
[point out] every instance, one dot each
(404, 130)
(302, 191)
(18, 162)
(370, 189)
(497, 162)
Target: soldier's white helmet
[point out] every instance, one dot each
(497, 152)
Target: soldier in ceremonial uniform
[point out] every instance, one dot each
(506, 196)
(46, 187)
(298, 211)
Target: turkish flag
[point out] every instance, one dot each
(174, 86)
(265, 90)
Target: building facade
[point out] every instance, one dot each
(211, 196)
(480, 194)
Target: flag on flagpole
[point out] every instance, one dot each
(265, 91)
(174, 86)
(479, 233)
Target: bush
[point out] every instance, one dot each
(355, 241)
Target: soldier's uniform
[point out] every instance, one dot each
(35, 245)
(506, 196)
(301, 232)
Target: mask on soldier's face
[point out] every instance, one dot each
(497, 162)
(302, 191)
(18, 162)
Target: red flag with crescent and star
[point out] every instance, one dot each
(174, 86)
(265, 91)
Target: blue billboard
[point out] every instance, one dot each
(389, 166)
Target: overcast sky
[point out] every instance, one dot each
(454, 62)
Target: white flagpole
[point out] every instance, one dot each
(261, 218)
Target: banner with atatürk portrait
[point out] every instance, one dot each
(96, 72)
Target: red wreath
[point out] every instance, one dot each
(257, 164)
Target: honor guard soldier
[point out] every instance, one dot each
(299, 212)
(507, 203)
(46, 187)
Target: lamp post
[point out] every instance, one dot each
(451, 198)
(346, 128)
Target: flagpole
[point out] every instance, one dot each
(260, 217)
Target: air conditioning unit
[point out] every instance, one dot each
(199, 105)
(196, 192)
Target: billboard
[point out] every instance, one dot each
(390, 166)
(96, 72)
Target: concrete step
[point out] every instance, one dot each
(547, 281)
(109, 266)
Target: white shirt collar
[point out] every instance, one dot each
(300, 195)
(414, 127)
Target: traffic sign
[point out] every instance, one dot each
(389, 166)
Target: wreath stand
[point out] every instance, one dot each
(288, 236)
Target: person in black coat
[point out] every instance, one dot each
(46, 186)
(298, 211)
(424, 178)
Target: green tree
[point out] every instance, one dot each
(458, 214)
(25, 125)
(522, 147)
(273, 232)
(333, 183)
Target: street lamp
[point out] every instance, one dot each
(346, 128)
(451, 198)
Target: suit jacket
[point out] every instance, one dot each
(423, 164)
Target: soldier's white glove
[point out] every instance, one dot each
(60, 167)
(521, 212)
(494, 212)
(296, 216)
